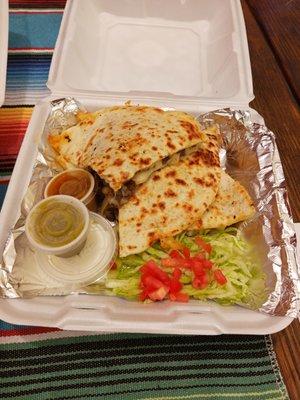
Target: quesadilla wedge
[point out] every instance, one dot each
(231, 205)
(170, 201)
(120, 143)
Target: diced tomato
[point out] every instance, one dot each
(177, 273)
(205, 246)
(175, 286)
(153, 269)
(186, 252)
(172, 297)
(175, 254)
(200, 282)
(151, 283)
(143, 295)
(197, 268)
(176, 262)
(113, 265)
(220, 277)
(207, 264)
(170, 262)
(182, 297)
(159, 294)
(199, 257)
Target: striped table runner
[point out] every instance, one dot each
(42, 363)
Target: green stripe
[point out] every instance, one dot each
(87, 373)
(218, 395)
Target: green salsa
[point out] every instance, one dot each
(55, 223)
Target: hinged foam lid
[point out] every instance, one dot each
(184, 49)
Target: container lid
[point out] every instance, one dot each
(178, 49)
(3, 46)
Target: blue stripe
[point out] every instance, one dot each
(4, 326)
(33, 30)
(3, 188)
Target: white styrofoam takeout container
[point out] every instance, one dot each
(3, 46)
(187, 54)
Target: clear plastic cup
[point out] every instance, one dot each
(75, 182)
(62, 222)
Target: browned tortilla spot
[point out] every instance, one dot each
(118, 162)
(162, 205)
(181, 182)
(171, 174)
(170, 193)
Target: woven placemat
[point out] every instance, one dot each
(38, 363)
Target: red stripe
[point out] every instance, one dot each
(36, 12)
(27, 330)
(45, 4)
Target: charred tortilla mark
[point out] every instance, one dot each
(139, 224)
(156, 177)
(191, 193)
(67, 137)
(170, 193)
(145, 161)
(171, 145)
(181, 182)
(162, 205)
(154, 148)
(199, 181)
(118, 162)
(171, 174)
(191, 130)
(188, 207)
(131, 247)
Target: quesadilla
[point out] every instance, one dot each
(170, 201)
(125, 144)
(231, 205)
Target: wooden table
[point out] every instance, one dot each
(273, 29)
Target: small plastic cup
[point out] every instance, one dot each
(61, 184)
(67, 250)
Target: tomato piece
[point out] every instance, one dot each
(175, 254)
(186, 252)
(153, 269)
(172, 297)
(151, 283)
(201, 243)
(182, 297)
(177, 273)
(200, 282)
(175, 286)
(186, 263)
(113, 265)
(159, 294)
(199, 257)
(207, 264)
(220, 277)
(170, 262)
(197, 268)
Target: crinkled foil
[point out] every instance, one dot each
(249, 154)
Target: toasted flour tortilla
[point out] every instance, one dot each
(127, 142)
(170, 201)
(232, 204)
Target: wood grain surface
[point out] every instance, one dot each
(279, 20)
(276, 102)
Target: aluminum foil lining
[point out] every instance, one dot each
(249, 154)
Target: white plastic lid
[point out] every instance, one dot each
(91, 264)
(182, 49)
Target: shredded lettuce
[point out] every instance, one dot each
(230, 252)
